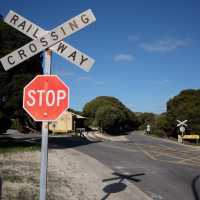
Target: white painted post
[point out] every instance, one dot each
(44, 148)
(180, 139)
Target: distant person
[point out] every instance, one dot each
(148, 129)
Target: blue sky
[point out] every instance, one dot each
(146, 51)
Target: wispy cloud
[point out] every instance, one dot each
(99, 82)
(123, 57)
(65, 73)
(165, 45)
(133, 38)
(83, 78)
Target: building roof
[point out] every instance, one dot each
(78, 116)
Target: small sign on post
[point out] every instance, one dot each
(182, 125)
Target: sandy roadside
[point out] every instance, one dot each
(99, 136)
(71, 176)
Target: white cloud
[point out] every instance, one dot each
(133, 38)
(123, 57)
(165, 45)
(83, 78)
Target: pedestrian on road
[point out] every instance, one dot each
(148, 129)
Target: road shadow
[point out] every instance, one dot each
(119, 186)
(68, 142)
(9, 142)
(196, 188)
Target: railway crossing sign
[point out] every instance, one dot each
(182, 125)
(46, 97)
(182, 129)
(52, 39)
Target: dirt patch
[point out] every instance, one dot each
(71, 175)
(20, 173)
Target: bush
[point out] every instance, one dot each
(13, 81)
(5, 123)
(146, 118)
(110, 115)
(184, 106)
(110, 119)
(159, 132)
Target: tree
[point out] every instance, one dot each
(13, 81)
(110, 119)
(146, 118)
(110, 115)
(161, 122)
(184, 106)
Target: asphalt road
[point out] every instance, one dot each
(163, 169)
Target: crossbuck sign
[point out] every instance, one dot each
(43, 39)
(182, 125)
(43, 90)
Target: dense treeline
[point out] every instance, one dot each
(145, 119)
(110, 115)
(184, 106)
(13, 81)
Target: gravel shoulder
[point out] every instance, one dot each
(97, 136)
(71, 175)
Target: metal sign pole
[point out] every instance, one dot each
(1, 183)
(44, 148)
(51, 40)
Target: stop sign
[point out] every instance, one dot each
(46, 97)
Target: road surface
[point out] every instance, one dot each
(163, 169)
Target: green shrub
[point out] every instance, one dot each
(110, 115)
(159, 133)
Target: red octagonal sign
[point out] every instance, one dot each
(46, 97)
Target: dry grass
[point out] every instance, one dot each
(20, 173)
(71, 176)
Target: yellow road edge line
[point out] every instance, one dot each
(147, 153)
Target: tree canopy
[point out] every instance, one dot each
(13, 81)
(110, 115)
(146, 118)
(185, 106)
